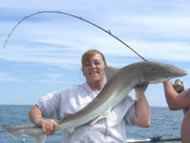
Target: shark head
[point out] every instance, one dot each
(158, 72)
(152, 72)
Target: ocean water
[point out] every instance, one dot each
(165, 123)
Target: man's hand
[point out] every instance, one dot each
(48, 126)
(140, 89)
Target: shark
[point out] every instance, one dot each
(120, 82)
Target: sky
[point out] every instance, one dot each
(43, 53)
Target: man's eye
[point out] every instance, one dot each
(97, 63)
(87, 64)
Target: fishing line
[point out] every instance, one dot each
(80, 18)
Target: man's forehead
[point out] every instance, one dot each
(95, 57)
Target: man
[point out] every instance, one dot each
(177, 101)
(111, 128)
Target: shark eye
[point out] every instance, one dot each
(167, 76)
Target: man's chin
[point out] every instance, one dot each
(95, 78)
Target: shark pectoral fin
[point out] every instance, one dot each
(104, 115)
(70, 130)
(40, 138)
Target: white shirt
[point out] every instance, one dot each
(110, 129)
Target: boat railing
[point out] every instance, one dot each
(158, 139)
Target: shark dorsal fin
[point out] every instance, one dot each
(110, 72)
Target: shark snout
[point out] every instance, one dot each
(175, 71)
(180, 73)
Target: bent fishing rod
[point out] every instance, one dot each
(74, 16)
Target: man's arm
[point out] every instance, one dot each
(142, 116)
(176, 100)
(48, 125)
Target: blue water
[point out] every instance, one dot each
(165, 123)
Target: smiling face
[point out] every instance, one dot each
(93, 64)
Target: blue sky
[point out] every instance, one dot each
(43, 54)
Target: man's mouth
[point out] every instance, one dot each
(93, 73)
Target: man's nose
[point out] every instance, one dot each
(92, 65)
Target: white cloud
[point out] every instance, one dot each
(9, 77)
(70, 52)
(175, 51)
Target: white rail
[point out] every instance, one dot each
(153, 140)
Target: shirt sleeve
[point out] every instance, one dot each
(49, 105)
(63, 102)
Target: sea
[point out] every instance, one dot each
(165, 124)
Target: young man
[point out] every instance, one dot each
(111, 128)
(177, 101)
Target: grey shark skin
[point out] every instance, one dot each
(119, 84)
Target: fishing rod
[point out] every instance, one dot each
(154, 140)
(78, 17)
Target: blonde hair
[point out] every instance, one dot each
(89, 54)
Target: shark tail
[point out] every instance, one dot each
(20, 131)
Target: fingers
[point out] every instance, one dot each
(49, 126)
(144, 85)
(140, 90)
(141, 87)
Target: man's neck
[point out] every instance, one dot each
(97, 86)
